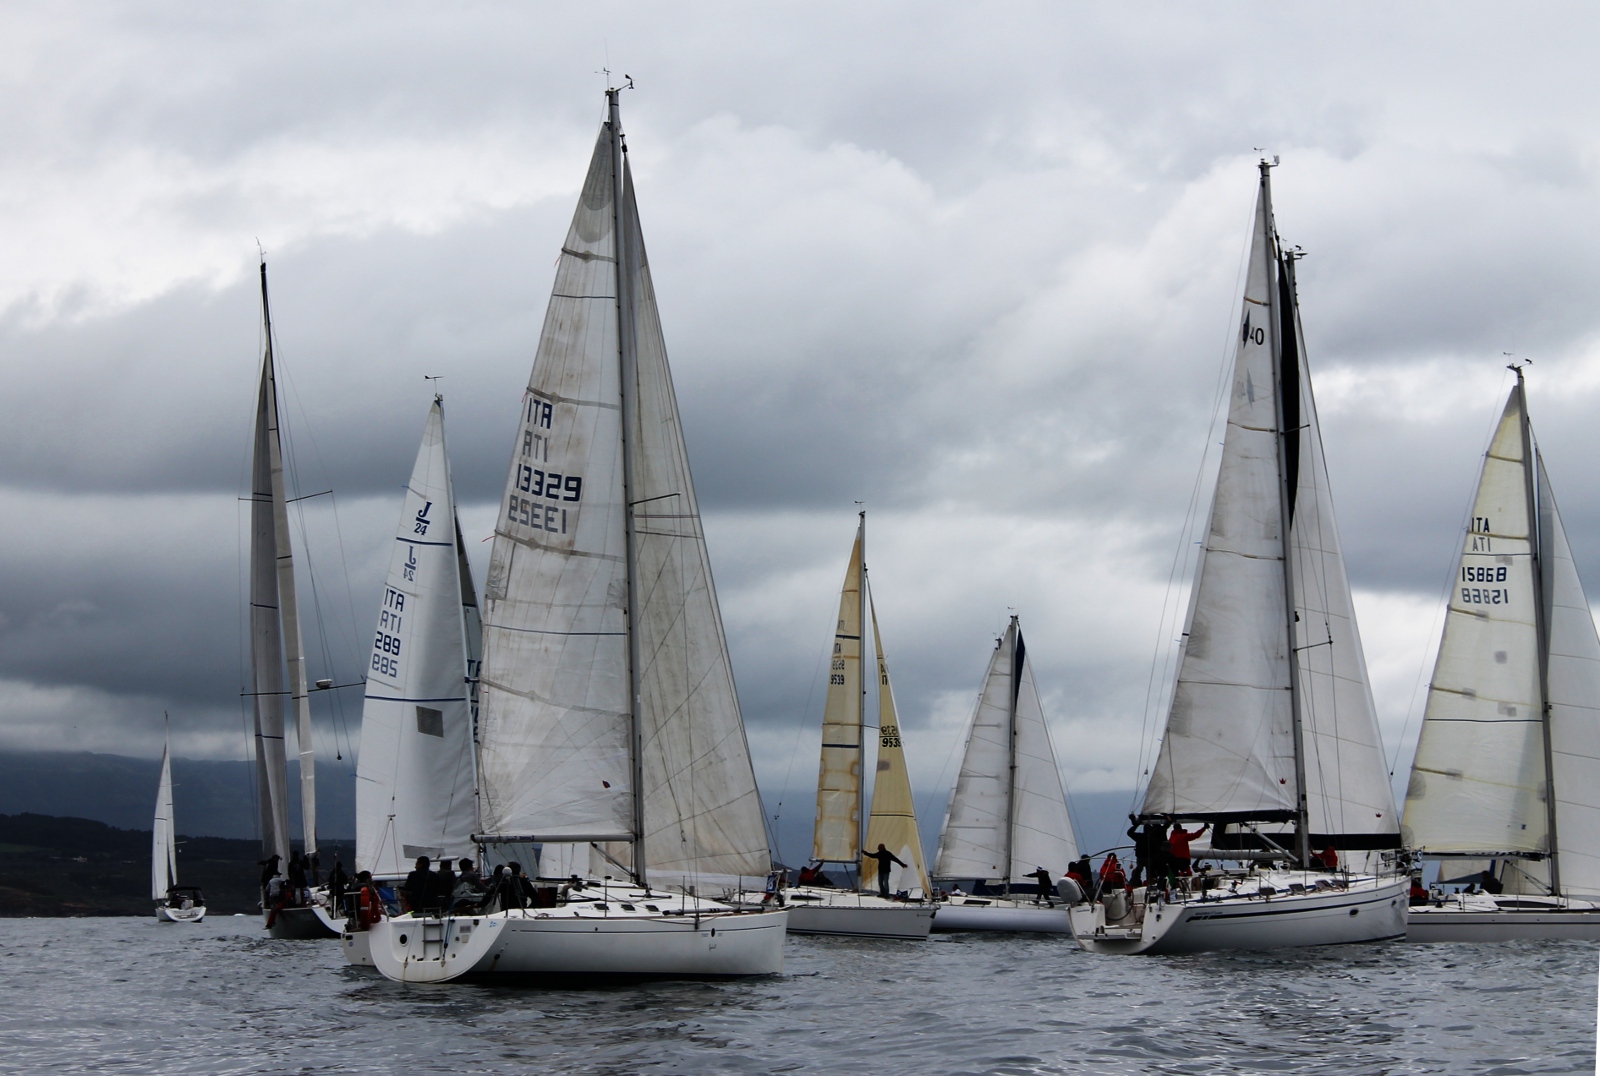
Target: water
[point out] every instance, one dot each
(132, 996)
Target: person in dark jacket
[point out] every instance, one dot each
(444, 887)
(337, 881)
(297, 879)
(1046, 886)
(884, 858)
(269, 869)
(418, 887)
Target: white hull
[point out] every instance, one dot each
(1358, 909)
(631, 934)
(165, 914)
(997, 913)
(1482, 918)
(357, 947)
(856, 915)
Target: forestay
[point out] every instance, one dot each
(837, 836)
(893, 820)
(414, 780)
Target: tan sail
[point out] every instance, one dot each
(838, 828)
(893, 822)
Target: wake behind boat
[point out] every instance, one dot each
(1505, 786)
(1271, 738)
(609, 728)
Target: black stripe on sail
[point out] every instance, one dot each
(1016, 670)
(1289, 379)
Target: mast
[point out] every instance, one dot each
(627, 358)
(1540, 626)
(1011, 750)
(1286, 485)
(288, 605)
(861, 710)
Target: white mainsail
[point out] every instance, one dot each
(595, 725)
(1272, 718)
(836, 837)
(1510, 742)
(893, 819)
(164, 837)
(414, 779)
(1477, 779)
(1008, 811)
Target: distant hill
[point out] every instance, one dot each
(212, 799)
(75, 866)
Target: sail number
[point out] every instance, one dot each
(1472, 574)
(386, 646)
(1485, 596)
(552, 485)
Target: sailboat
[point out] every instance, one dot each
(892, 825)
(416, 782)
(1271, 737)
(174, 903)
(608, 719)
(275, 642)
(1007, 817)
(1505, 786)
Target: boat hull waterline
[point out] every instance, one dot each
(192, 914)
(1483, 918)
(857, 915)
(1002, 914)
(579, 943)
(1365, 910)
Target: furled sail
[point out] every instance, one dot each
(1008, 812)
(414, 779)
(893, 820)
(164, 837)
(837, 835)
(566, 755)
(1272, 715)
(1574, 696)
(1477, 779)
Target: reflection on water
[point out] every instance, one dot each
(132, 996)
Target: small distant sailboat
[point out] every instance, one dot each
(1505, 786)
(1008, 816)
(609, 728)
(416, 779)
(174, 903)
(838, 838)
(275, 642)
(1272, 736)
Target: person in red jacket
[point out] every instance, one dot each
(1178, 847)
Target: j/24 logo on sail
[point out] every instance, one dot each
(422, 520)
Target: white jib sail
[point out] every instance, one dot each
(266, 637)
(414, 778)
(555, 719)
(1573, 685)
(1347, 777)
(164, 837)
(1477, 778)
(837, 833)
(1229, 742)
(1009, 782)
(893, 820)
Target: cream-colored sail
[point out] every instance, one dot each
(893, 821)
(163, 837)
(1574, 694)
(1477, 780)
(1229, 742)
(837, 837)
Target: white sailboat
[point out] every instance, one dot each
(416, 782)
(837, 837)
(174, 903)
(1272, 737)
(1007, 817)
(1505, 786)
(608, 720)
(275, 643)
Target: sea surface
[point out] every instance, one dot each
(132, 996)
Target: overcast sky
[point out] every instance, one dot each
(976, 266)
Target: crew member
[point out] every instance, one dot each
(1178, 847)
(884, 858)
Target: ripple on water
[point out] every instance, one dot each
(132, 996)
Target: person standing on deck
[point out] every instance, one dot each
(1178, 847)
(884, 858)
